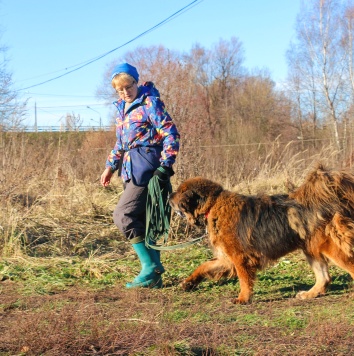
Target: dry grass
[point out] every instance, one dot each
(64, 264)
(80, 320)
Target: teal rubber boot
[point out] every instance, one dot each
(151, 268)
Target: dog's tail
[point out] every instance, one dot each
(327, 190)
(341, 230)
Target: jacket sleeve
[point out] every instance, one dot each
(113, 158)
(166, 130)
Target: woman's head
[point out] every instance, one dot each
(124, 79)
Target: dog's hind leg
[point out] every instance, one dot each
(320, 269)
(341, 259)
(213, 269)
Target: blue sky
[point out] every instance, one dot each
(46, 38)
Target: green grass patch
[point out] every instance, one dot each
(86, 299)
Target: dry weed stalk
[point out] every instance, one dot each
(53, 204)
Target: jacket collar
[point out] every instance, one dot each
(147, 89)
(119, 104)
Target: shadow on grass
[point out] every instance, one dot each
(286, 286)
(202, 351)
(339, 284)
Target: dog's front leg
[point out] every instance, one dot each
(247, 277)
(213, 269)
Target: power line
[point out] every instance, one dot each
(64, 95)
(47, 112)
(70, 106)
(177, 13)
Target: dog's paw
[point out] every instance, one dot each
(302, 295)
(187, 286)
(240, 301)
(308, 295)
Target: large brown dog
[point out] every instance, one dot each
(248, 232)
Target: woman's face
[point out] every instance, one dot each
(128, 92)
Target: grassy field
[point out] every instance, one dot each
(64, 265)
(80, 306)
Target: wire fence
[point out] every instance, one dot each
(62, 128)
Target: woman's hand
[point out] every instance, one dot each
(106, 177)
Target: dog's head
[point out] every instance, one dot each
(194, 198)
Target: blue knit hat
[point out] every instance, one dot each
(125, 68)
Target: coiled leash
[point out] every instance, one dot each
(158, 215)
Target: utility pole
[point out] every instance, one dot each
(35, 117)
(89, 107)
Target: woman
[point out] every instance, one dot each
(147, 144)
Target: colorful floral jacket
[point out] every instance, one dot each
(146, 123)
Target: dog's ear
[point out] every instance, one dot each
(189, 201)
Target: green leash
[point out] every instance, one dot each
(158, 215)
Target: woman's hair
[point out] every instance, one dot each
(121, 80)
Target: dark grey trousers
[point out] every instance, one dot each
(130, 213)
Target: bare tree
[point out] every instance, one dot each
(73, 122)
(226, 71)
(302, 90)
(348, 43)
(12, 110)
(320, 61)
(260, 112)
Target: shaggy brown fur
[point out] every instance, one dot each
(247, 232)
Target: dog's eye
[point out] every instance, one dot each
(180, 213)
